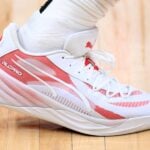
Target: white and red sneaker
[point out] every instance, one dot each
(68, 88)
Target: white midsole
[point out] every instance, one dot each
(75, 122)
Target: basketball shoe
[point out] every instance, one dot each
(68, 88)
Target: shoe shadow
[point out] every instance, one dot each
(33, 123)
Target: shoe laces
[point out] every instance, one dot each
(106, 61)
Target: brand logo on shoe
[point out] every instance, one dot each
(10, 67)
(89, 45)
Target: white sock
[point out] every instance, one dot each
(47, 30)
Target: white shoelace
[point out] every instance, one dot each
(101, 77)
(104, 80)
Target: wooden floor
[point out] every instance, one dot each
(126, 32)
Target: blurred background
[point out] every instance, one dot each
(125, 31)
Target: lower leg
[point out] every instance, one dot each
(48, 28)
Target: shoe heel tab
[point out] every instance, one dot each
(12, 26)
(9, 30)
(8, 39)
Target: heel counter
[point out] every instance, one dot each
(7, 44)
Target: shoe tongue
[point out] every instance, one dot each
(80, 43)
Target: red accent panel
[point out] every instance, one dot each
(89, 45)
(131, 104)
(90, 61)
(7, 60)
(102, 91)
(59, 73)
(25, 77)
(134, 93)
(108, 114)
(26, 97)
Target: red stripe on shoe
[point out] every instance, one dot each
(41, 62)
(6, 63)
(108, 114)
(131, 104)
(117, 95)
(89, 45)
(26, 96)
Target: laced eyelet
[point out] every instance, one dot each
(95, 89)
